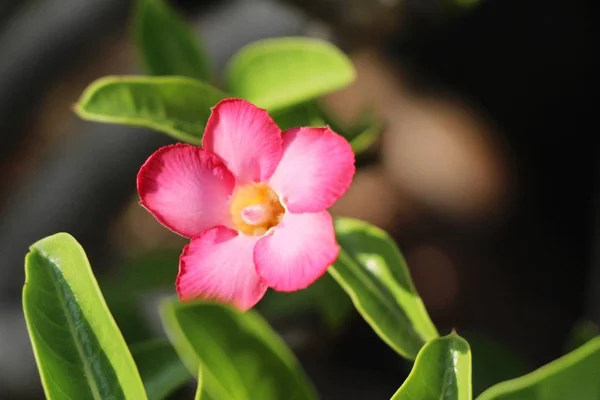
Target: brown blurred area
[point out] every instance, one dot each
(497, 241)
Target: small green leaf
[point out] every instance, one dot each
(361, 139)
(160, 367)
(241, 357)
(361, 136)
(166, 44)
(372, 271)
(573, 376)
(77, 345)
(279, 73)
(176, 106)
(442, 371)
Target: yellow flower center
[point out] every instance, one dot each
(255, 208)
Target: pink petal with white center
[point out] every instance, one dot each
(297, 252)
(245, 137)
(218, 265)
(315, 170)
(186, 188)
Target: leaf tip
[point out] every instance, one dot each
(76, 108)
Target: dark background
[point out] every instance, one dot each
(486, 172)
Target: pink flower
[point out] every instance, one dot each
(253, 201)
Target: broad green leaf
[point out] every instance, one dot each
(240, 356)
(176, 106)
(573, 376)
(372, 271)
(279, 73)
(160, 367)
(166, 44)
(77, 345)
(442, 371)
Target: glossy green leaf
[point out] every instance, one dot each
(573, 376)
(160, 367)
(77, 345)
(372, 271)
(176, 106)
(166, 44)
(241, 357)
(442, 371)
(279, 73)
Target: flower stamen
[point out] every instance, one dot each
(255, 208)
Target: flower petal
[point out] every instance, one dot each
(297, 252)
(245, 137)
(217, 265)
(186, 188)
(315, 170)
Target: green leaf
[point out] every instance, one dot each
(160, 367)
(278, 73)
(166, 44)
(176, 106)
(305, 114)
(200, 392)
(241, 357)
(77, 345)
(442, 371)
(361, 136)
(372, 271)
(573, 376)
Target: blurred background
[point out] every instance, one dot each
(485, 172)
